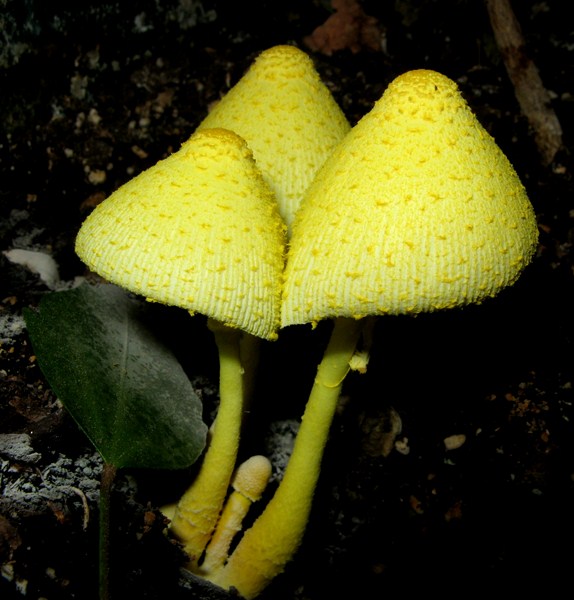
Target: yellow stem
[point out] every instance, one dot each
(249, 351)
(199, 508)
(274, 538)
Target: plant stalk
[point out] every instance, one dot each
(106, 486)
(198, 510)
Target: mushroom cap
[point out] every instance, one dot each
(416, 210)
(289, 119)
(199, 230)
(252, 476)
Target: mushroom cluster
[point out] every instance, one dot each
(276, 213)
(204, 230)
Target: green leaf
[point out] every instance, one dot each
(124, 388)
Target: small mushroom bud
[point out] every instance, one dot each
(248, 483)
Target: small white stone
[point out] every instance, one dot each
(452, 442)
(402, 446)
(97, 176)
(37, 262)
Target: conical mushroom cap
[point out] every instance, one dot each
(199, 230)
(289, 119)
(416, 210)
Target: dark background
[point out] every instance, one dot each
(91, 96)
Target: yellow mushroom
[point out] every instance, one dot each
(289, 119)
(199, 230)
(248, 483)
(417, 209)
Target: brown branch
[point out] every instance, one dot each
(530, 92)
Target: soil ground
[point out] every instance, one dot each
(476, 489)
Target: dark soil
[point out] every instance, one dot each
(93, 96)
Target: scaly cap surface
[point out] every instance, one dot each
(416, 210)
(199, 230)
(289, 119)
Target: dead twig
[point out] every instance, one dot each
(530, 92)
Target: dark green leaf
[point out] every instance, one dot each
(125, 389)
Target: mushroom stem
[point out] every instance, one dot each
(199, 508)
(249, 352)
(275, 536)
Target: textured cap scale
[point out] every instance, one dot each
(199, 230)
(416, 210)
(289, 119)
